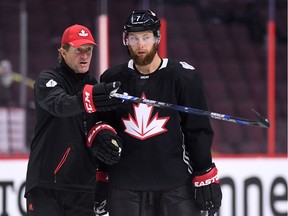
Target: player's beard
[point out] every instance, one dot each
(147, 59)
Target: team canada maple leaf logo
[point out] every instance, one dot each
(82, 33)
(143, 126)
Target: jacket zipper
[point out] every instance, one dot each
(85, 124)
(61, 163)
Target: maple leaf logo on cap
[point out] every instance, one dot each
(77, 35)
(82, 33)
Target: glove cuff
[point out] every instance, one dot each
(87, 96)
(95, 130)
(102, 176)
(210, 176)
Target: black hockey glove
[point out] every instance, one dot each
(208, 194)
(101, 187)
(97, 97)
(104, 143)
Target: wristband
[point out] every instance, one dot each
(87, 96)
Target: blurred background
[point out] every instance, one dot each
(238, 46)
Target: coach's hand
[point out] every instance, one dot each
(208, 194)
(97, 97)
(104, 143)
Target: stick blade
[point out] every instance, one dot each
(263, 122)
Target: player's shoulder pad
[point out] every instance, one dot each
(113, 71)
(185, 65)
(184, 71)
(180, 65)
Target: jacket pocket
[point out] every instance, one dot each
(62, 161)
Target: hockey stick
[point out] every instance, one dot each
(261, 122)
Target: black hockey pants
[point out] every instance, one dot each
(176, 201)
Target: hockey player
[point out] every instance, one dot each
(166, 167)
(62, 166)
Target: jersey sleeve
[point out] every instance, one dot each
(197, 130)
(52, 97)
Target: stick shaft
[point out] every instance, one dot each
(242, 121)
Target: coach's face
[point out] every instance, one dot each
(78, 58)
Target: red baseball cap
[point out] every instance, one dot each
(77, 35)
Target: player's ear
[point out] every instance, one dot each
(158, 39)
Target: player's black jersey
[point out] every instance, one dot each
(157, 141)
